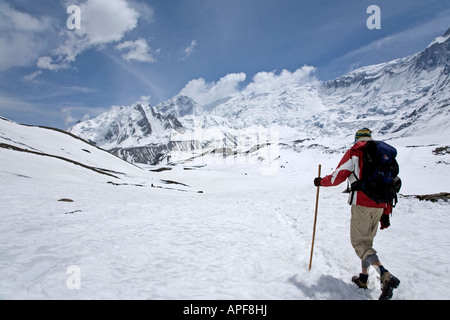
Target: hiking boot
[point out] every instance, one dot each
(388, 284)
(361, 281)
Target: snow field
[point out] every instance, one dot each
(247, 236)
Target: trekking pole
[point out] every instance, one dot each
(315, 220)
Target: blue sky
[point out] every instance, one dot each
(133, 50)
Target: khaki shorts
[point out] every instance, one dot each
(363, 229)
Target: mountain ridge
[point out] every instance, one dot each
(405, 96)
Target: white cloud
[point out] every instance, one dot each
(188, 50)
(269, 81)
(25, 39)
(145, 100)
(102, 22)
(68, 119)
(137, 50)
(16, 20)
(32, 75)
(204, 93)
(72, 114)
(21, 37)
(146, 13)
(47, 63)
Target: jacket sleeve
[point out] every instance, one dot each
(388, 209)
(343, 171)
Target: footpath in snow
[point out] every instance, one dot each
(246, 236)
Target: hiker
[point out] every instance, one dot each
(366, 214)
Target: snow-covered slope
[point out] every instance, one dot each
(246, 237)
(33, 152)
(67, 151)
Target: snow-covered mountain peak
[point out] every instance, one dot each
(441, 39)
(179, 106)
(404, 97)
(127, 126)
(290, 106)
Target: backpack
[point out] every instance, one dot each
(379, 179)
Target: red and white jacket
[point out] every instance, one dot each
(350, 165)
